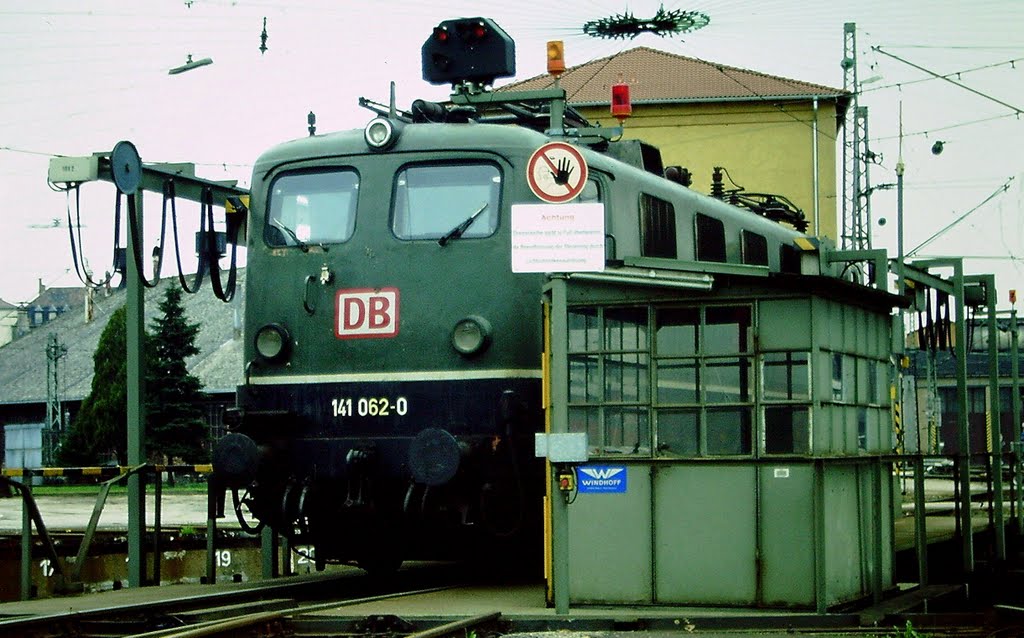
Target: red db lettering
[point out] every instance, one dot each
(365, 313)
(353, 314)
(379, 316)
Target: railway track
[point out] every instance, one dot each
(264, 610)
(266, 618)
(338, 604)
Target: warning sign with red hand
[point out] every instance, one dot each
(557, 172)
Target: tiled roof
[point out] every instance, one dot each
(218, 364)
(60, 298)
(658, 77)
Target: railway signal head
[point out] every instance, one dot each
(472, 50)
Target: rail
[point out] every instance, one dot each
(225, 611)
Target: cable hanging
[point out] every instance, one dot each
(197, 281)
(207, 246)
(78, 251)
(136, 236)
(223, 292)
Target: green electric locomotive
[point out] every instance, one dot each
(394, 330)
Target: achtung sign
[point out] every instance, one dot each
(563, 238)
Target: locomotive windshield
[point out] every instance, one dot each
(432, 200)
(312, 207)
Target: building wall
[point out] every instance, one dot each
(8, 324)
(767, 147)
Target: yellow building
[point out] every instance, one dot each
(771, 134)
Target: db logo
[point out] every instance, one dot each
(361, 313)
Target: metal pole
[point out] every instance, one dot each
(989, 282)
(814, 170)
(136, 332)
(212, 492)
(559, 423)
(158, 488)
(900, 283)
(286, 556)
(26, 542)
(920, 520)
(1015, 401)
(557, 117)
(963, 428)
(269, 549)
(920, 529)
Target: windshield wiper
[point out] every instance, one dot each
(291, 233)
(456, 232)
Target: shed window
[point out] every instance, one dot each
(703, 381)
(786, 380)
(710, 238)
(787, 430)
(609, 378)
(657, 227)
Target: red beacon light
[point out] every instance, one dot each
(441, 34)
(622, 108)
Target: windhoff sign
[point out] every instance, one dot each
(602, 479)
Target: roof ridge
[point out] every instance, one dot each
(578, 78)
(720, 66)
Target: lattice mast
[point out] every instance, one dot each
(55, 351)
(856, 227)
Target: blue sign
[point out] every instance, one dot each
(602, 479)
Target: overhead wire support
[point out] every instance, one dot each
(999, 191)
(55, 351)
(856, 220)
(1013, 108)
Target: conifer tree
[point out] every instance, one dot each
(175, 427)
(99, 432)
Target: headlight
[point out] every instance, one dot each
(471, 335)
(381, 133)
(273, 343)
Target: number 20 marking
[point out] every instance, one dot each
(369, 406)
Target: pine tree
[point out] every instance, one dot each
(100, 429)
(175, 428)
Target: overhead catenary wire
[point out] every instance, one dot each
(1011, 63)
(1013, 108)
(999, 191)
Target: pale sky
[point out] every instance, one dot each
(78, 77)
